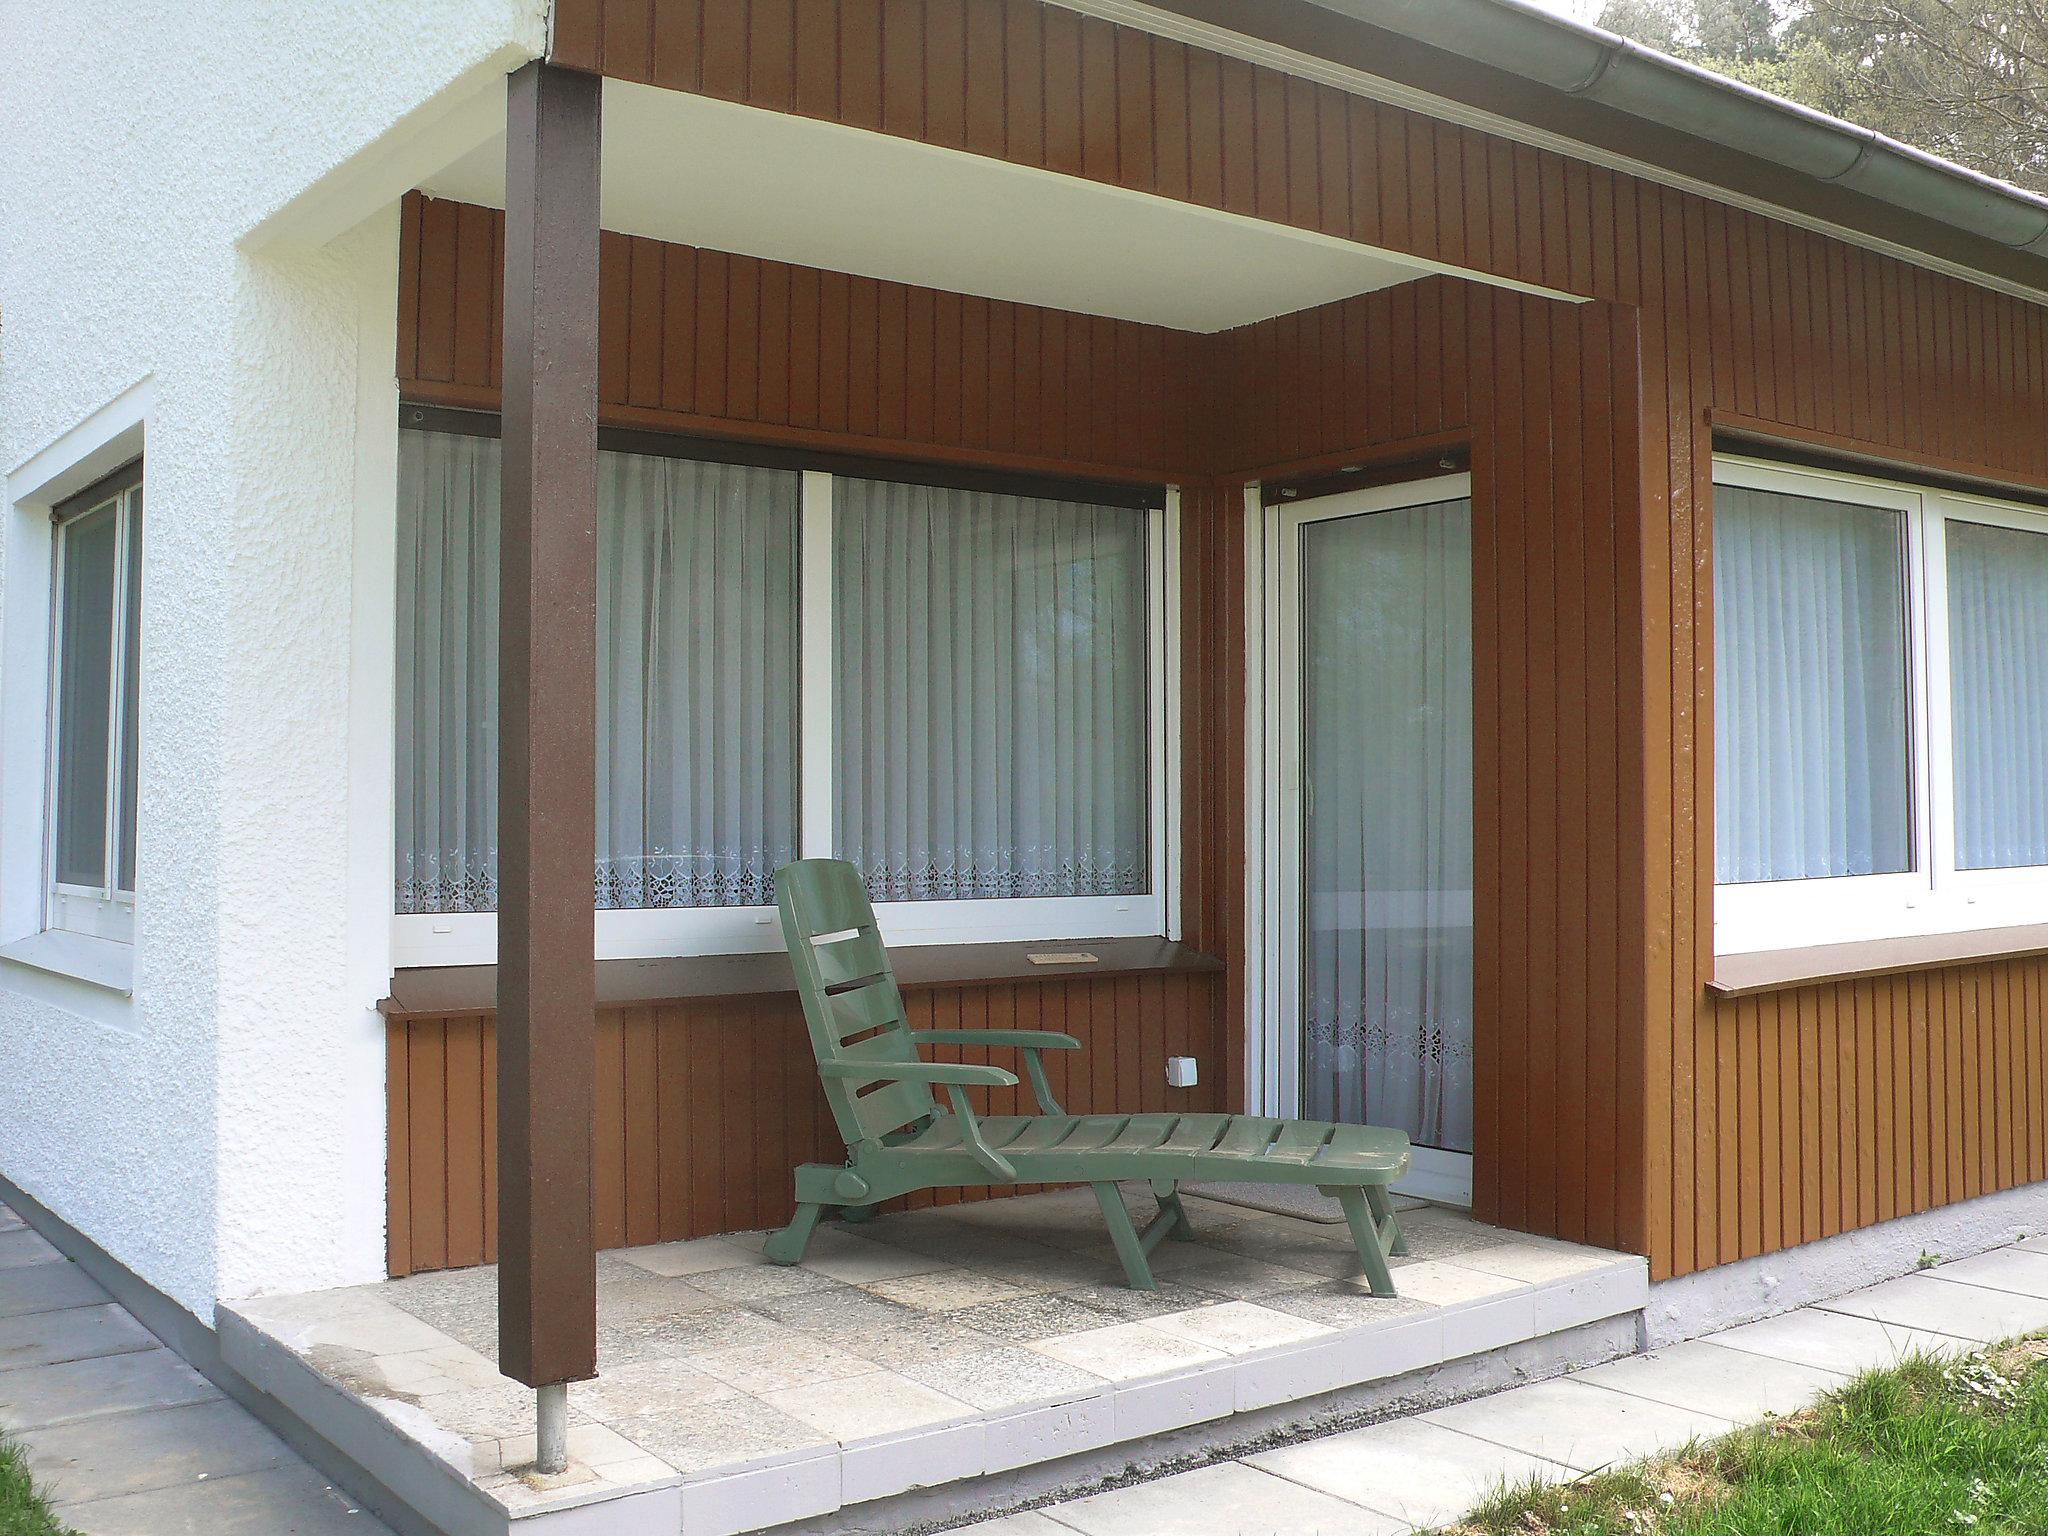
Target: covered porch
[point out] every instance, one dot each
(925, 1367)
(786, 325)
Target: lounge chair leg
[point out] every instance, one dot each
(1117, 1217)
(856, 1213)
(788, 1245)
(1366, 1236)
(1382, 1205)
(1167, 1193)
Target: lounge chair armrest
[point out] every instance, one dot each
(998, 1166)
(1032, 1042)
(1015, 1039)
(948, 1072)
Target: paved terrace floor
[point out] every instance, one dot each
(925, 1347)
(1417, 1473)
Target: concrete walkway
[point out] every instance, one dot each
(126, 1438)
(1409, 1474)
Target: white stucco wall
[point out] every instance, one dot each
(222, 1133)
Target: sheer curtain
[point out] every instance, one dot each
(1387, 837)
(697, 681)
(990, 696)
(1998, 668)
(697, 678)
(447, 762)
(1810, 761)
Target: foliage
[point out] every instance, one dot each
(1928, 1449)
(22, 1511)
(1964, 79)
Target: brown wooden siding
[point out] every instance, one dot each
(1544, 393)
(705, 342)
(702, 1110)
(1744, 1105)
(697, 341)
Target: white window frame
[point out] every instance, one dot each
(437, 939)
(1932, 896)
(106, 910)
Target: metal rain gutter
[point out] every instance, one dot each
(1593, 64)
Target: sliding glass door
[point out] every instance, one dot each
(1377, 846)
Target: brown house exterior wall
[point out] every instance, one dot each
(703, 1108)
(1738, 1127)
(702, 342)
(1545, 394)
(1542, 392)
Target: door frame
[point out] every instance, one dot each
(1273, 799)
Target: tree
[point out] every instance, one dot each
(1964, 79)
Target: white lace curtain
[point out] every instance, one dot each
(1387, 852)
(1998, 665)
(990, 693)
(697, 678)
(1810, 762)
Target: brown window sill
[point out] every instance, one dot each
(458, 990)
(1774, 970)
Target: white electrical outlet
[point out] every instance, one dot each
(1181, 1072)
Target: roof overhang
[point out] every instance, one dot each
(698, 171)
(1508, 68)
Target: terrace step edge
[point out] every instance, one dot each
(990, 1457)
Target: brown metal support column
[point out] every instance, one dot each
(547, 712)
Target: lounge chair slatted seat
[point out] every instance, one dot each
(900, 1138)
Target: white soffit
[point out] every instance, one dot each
(696, 171)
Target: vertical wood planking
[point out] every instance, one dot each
(1734, 1130)
(706, 341)
(675, 1081)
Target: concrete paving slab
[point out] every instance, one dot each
(1228, 1499)
(76, 1333)
(2017, 1270)
(1421, 1473)
(1728, 1383)
(37, 1396)
(1835, 1341)
(1584, 1427)
(21, 1246)
(124, 1453)
(1945, 1306)
(1029, 1523)
(279, 1501)
(46, 1288)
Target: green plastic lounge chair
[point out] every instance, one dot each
(899, 1139)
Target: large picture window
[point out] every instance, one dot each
(1881, 709)
(958, 689)
(97, 678)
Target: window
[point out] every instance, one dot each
(1881, 709)
(959, 690)
(96, 674)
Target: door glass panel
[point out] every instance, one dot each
(1386, 733)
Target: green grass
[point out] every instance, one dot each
(1928, 1449)
(22, 1511)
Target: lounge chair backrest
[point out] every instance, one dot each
(851, 1004)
